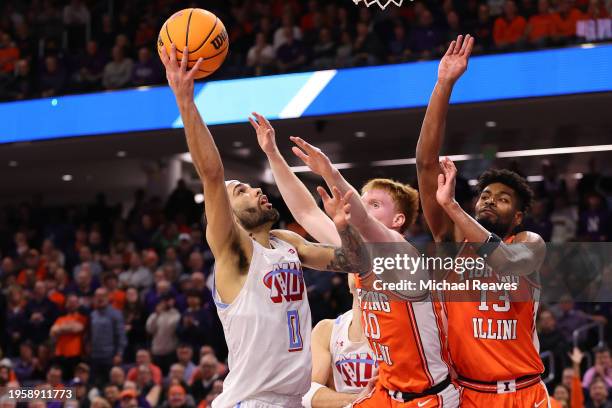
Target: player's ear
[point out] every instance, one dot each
(518, 218)
(398, 220)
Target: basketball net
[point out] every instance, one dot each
(381, 3)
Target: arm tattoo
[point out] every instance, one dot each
(353, 256)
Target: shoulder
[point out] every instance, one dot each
(321, 333)
(528, 237)
(288, 236)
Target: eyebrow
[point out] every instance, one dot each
(235, 187)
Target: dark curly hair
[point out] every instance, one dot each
(510, 179)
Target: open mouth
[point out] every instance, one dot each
(264, 202)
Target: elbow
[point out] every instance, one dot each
(424, 164)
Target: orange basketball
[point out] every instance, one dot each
(203, 34)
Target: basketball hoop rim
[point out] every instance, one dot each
(383, 4)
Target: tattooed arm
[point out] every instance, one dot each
(352, 256)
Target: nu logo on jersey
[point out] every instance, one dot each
(285, 281)
(356, 369)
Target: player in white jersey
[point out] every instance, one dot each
(258, 272)
(340, 348)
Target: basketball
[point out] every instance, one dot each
(202, 32)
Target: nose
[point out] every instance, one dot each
(258, 192)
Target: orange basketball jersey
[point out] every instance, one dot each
(495, 338)
(406, 338)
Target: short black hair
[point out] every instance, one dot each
(510, 179)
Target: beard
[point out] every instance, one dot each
(497, 227)
(253, 218)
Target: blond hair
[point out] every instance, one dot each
(406, 198)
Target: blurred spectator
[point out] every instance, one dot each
(68, 332)
(551, 339)
(134, 317)
(76, 20)
(177, 398)
(207, 375)
(290, 54)
(26, 43)
(52, 78)
(599, 395)
(399, 46)
(146, 71)
(594, 221)
(565, 20)
(146, 386)
(196, 322)
(425, 39)
(564, 219)
(184, 355)
(162, 325)
(40, 313)
(87, 261)
(137, 275)
(568, 317)
(143, 357)
(91, 62)
(552, 185)
(286, 31)
(107, 337)
(260, 57)
(23, 366)
(541, 28)
(9, 54)
(538, 220)
(509, 30)
(344, 50)
(602, 368)
(367, 48)
(323, 50)
(21, 85)
(116, 295)
(118, 72)
(454, 26)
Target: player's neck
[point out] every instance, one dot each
(355, 332)
(261, 235)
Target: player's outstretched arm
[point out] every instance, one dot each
(221, 229)
(300, 202)
(523, 257)
(370, 228)
(352, 256)
(319, 395)
(452, 66)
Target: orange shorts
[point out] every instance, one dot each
(380, 398)
(533, 396)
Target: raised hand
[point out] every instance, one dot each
(336, 206)
(446, 182)
(312, 156)
(455, 61)
(179, 78)
(576, 356)
(266, 136)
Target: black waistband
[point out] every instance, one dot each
(436, 389)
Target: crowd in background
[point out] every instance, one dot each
(116, 302)
(55, 47)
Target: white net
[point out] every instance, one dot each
(381, 3)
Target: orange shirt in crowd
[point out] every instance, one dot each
(70, 344)
(541, 26)
(509, 32)
(58, 298)
(156, 374)
(117, 299)
(566, 26)
(576, 393)
(8, 57)
(41, 273)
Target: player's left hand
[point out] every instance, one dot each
(337, 206)
(179, 78)
(312, 156)
(446, 182)
(266, 136)
(455, 61)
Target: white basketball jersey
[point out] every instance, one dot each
(267, 329)
(354, 364)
